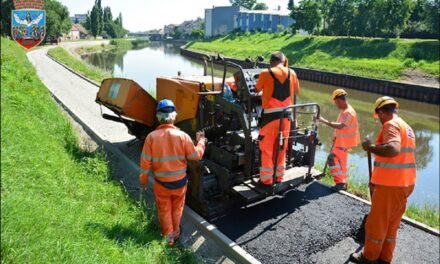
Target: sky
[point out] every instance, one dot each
(141, 15)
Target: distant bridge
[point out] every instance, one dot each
(144, 35)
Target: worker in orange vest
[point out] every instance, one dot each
(164, 156)
(278, 85)
(392, 182)
(346, 137)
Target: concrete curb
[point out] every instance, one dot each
(73, 71)
(209, 230)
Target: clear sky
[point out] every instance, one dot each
(141, 15)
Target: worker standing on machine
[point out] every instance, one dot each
(164, 156)
(392, 182)
(279, 85)
(346, 137)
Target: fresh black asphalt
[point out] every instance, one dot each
(312, 224)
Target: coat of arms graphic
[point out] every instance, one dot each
(28, 27)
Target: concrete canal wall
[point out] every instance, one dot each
(391, 88)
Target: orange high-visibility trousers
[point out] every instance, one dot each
(337, 160)
(388, 205)
(169, 203)
(268, 144)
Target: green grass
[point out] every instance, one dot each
(114, 45)
(59, 202)
(426, 214)
(370, 57)
(79, 66)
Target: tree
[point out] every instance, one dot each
(99, 16)
(94, 21)
(176, 34)
(244, 3)
(341, 17)
(307, 16)
(86, 22)
(431, 17)
(197, 34)
(6, 8)
(261, 6)
(107, 16)
(57, 19)
(399, 12)
(325, 9)
(290, 5)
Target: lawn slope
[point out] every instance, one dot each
(370, 57)
(58, 202)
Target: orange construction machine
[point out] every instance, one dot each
(228, 111)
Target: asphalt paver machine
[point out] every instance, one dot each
(228, 110)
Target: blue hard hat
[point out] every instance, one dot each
(166, 104)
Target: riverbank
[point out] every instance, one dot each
(113, 45)
(389, 59)
(91, 72)
(59, 201)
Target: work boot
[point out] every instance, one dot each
(339, 187)
(357, 257)
(264, 186)
(382, 262)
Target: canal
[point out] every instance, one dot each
(159, 59)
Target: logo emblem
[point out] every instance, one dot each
(28, 27)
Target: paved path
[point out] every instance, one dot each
(308, 225)
(79, 96)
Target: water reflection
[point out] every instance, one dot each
(106, 60)
(159, 59)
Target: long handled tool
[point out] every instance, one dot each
(324, 171)
(361, 232)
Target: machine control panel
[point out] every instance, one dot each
(246, 80)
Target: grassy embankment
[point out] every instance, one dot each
(114, 45)
(59, 203)
(424, 214)
(377, 58)
(82, 67)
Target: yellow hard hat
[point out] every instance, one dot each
(383, 101)
(338, 92)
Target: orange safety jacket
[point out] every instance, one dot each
(348, 137)
(399, 170)
(165, 154)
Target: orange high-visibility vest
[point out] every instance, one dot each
(399, 170)
(165, 154)
(348, 137)
(278, 91)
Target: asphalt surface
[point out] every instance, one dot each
(313, 224)
(308, 225)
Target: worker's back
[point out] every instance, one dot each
(267, 83)
(168, 149)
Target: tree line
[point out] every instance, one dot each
(100, 22)
(57, 18)
(367, 18)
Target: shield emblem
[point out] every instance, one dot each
(28, 27)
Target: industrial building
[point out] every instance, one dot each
(224, 19)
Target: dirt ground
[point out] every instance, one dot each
(415, 76)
